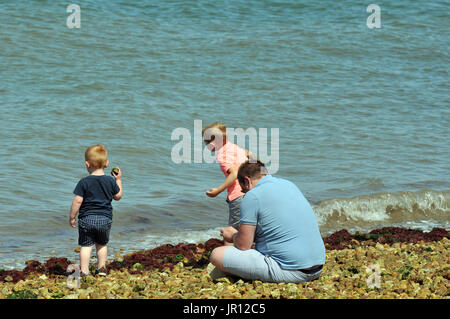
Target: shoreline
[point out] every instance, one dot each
(411, 264)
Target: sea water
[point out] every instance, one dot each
(362, 113)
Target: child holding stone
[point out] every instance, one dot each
(93, 197)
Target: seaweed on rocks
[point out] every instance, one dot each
(397, 234)
(53, 266)
(33, 266)
(212, 243)
(57, 266)
(407, 270)
(437, 234)
(11, 275)
(197, 255)
(387, 235)
(338, 240)
(167, 256)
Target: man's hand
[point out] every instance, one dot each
(213, 192)
(227, 233)
(242, 239)
(73, 222)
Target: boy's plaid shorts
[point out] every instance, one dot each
(93, 229)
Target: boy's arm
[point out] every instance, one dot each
(118, 178)
(76, 204)
(232, 175)
(118, 196)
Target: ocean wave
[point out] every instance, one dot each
(393, 208)
(188, 237)
(421, 210)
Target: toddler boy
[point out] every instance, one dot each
(93, 196)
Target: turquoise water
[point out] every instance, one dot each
(363, 114)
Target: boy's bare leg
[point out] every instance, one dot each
(85, 256)
(102, 253)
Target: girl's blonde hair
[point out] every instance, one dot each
(216, 125)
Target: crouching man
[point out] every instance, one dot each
(278, 219)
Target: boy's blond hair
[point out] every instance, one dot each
(97, 156)
(216, 125)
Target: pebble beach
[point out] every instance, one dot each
(407, 264)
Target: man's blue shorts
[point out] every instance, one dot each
(252, 265)
(93, 229)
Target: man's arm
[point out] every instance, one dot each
(244, 238)
(76, 204)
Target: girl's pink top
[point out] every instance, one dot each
(228, 156)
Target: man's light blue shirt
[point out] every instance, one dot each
(286, 227)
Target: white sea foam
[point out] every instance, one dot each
(185, 236)
(396, 207)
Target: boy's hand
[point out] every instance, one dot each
(213, 192)
(73, 222)
(119, 173)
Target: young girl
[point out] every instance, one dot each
(230, 157)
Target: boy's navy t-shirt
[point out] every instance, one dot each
(97, 193)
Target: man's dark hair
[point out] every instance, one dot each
(251, 169)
